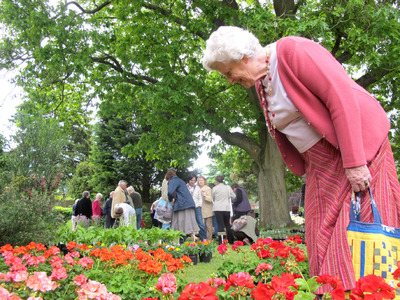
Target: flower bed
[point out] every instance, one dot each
(267, 270)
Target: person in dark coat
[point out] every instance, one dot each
(83, 210)
(241, 205)
(107, 211)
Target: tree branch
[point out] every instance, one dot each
(93, 11)
(368, 79)
(177, 20)
(114, 64)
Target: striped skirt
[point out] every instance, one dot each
(327, 205)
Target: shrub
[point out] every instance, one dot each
(25, 218)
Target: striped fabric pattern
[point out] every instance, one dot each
(327, 205)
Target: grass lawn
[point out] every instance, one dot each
(202, 271)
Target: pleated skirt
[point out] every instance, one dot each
(327, 204)
(185, 221)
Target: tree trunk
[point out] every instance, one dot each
(273, 202)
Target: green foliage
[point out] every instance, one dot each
(25, 218)
(114, 159)
(72, 57)
(121, 235)
(82, 180)
(65, 212)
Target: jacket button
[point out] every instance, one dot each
(323, 136)
(309, 123)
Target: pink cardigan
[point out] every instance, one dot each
(338, 108)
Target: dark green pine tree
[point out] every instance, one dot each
(112, 136)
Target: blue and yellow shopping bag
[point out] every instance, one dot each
(374, 247)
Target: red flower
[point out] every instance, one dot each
(240, 279)
(236, 245)
(396, 273)
(263, 253)
(198, 291)
(262, 292)
(222, 249)
(372, 287)
(282, 284)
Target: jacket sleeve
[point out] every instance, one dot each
(239, 198)
(310, 69)
(172, 186)
(208, 195)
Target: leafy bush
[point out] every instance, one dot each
(25, 218)
(121, 235)
(65, 212)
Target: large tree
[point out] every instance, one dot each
(144, 56)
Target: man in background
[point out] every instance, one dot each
(137, 203)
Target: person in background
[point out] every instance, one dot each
(137, 203)
(206, 205)
(107, 211)
(128, 196)
(249, 232)
(73, 214)
(127, 212)
(154, 221)
(119, 196)
(325, 126)
(184, 218)
(214, 219)
(241, 205)
(194, 190)
(96, 207)
(83, 210)
(222, 195)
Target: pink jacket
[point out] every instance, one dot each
(338, 108)
(96, 208)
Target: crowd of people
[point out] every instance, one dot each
(198, 209)
(123, 206)
(206, 209)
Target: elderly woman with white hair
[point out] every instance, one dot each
(96, 207)
(326, 126)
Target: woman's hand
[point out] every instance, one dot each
(359, 177)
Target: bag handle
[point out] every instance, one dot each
(355, 208)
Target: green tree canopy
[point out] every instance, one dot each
(144, 57)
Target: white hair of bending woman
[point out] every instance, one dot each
(229, 43)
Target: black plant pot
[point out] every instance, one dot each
(205, 258)
(194, 259)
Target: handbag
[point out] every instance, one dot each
(239, 223)
(374, 246)
(164, 211)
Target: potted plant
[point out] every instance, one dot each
(206, 250)
(191, 250)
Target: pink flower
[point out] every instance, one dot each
(111, 296)
(80, 279)
(75, 254)
(69, 259)
(4, 294)
(35, 298)
(5, 277)
(92, 290)
(86, 262)
(18, 276)
(40, 281)
(216, 282)
(58, 274)
(166, 283)
(262, 267)
(33, 260)
(56, 262)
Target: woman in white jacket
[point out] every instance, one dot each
(222, 195)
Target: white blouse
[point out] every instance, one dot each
(284, 115)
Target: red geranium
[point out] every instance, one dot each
(198, 291)
(222, 249)
(241, 279)
(262, 292)
(372, 287)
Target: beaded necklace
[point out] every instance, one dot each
(265, 95)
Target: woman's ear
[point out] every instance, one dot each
(245, 59)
